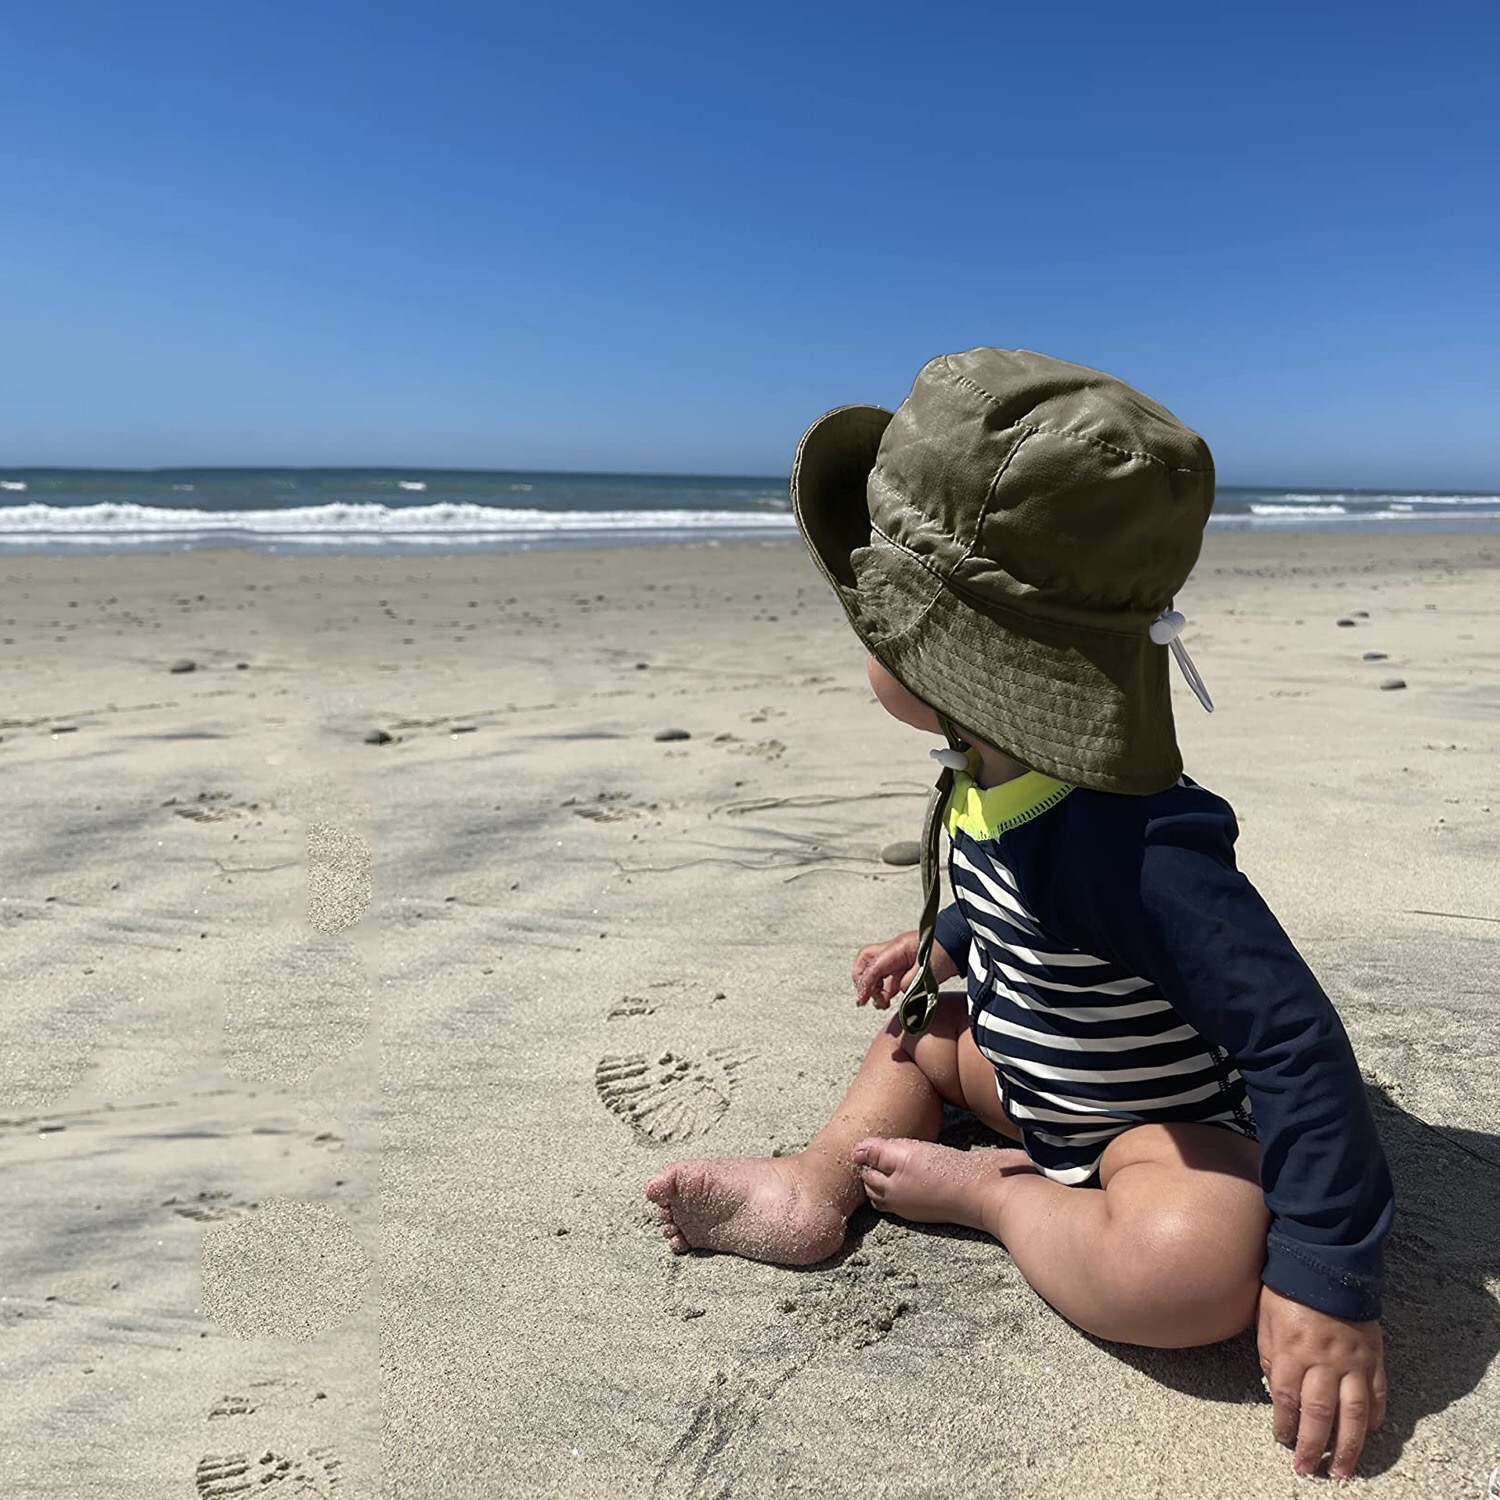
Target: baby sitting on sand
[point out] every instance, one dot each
(1197, 1148)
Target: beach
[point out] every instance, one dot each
(375, 926)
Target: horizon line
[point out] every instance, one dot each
(396, 469)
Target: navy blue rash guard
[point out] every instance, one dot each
(1149, 884)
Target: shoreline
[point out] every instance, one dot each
(456, 545)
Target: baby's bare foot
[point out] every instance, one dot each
(936, 1184)
(771, 1209)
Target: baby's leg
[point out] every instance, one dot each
(1167, 1252)
(792, 1210)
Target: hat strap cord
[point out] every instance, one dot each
(920, 999)
(1166, 630)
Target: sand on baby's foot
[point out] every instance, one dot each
(934, 1184)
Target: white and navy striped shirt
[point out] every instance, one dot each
(1121, 971)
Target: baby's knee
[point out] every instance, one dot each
(1193, 1282)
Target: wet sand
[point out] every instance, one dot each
(359, 977)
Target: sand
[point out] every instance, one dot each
(317, 1169)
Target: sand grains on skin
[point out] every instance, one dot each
(761, 1209)
(930, 1183)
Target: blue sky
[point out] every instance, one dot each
(665, 237)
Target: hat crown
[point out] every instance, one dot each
(1029, 483)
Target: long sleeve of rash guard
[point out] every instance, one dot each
(953, 935)
(1166, 900)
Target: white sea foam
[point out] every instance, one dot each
(12, 484)
(1411, 515)
(1466, 500)
(1292, 515)
(367, 523)
(1297, 510)
(360, 524)
(411, 484)
(1372, 500)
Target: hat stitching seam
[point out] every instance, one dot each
(1076, 437)
(936, 578)
(989, 498)
(1058, 730)
(1040, 707)
(1080, 757)
(1030, 693)
(985, 605)
(1068, 737)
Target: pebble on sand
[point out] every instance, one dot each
(377, 737)
(1391, 684)
(902, 852)
(184, 666)
(1344, 621)
(1375, 656)
(672, 734)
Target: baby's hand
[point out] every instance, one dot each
(883, 970)
(1327, 1379)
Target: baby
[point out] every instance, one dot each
(1196, 1152)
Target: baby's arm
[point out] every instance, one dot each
(1170, 904)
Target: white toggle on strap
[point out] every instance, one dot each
(1166, 630)
(1167, 626)
(953, 760)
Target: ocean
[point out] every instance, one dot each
(416, 510)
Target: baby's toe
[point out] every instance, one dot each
(663, 1186)
(879, 1155)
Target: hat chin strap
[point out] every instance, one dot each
(921, 996)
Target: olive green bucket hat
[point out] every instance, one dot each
(1008, 544)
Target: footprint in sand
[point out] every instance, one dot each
(668, 1098)
(766, 749)
(277, 1476)
(630, 1005)
(272, 1393)
(607, 807)
(211, 807)
(209, 1206)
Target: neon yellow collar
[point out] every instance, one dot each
(987, 812)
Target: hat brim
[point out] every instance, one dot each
(1090, 707)
(829, 478)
